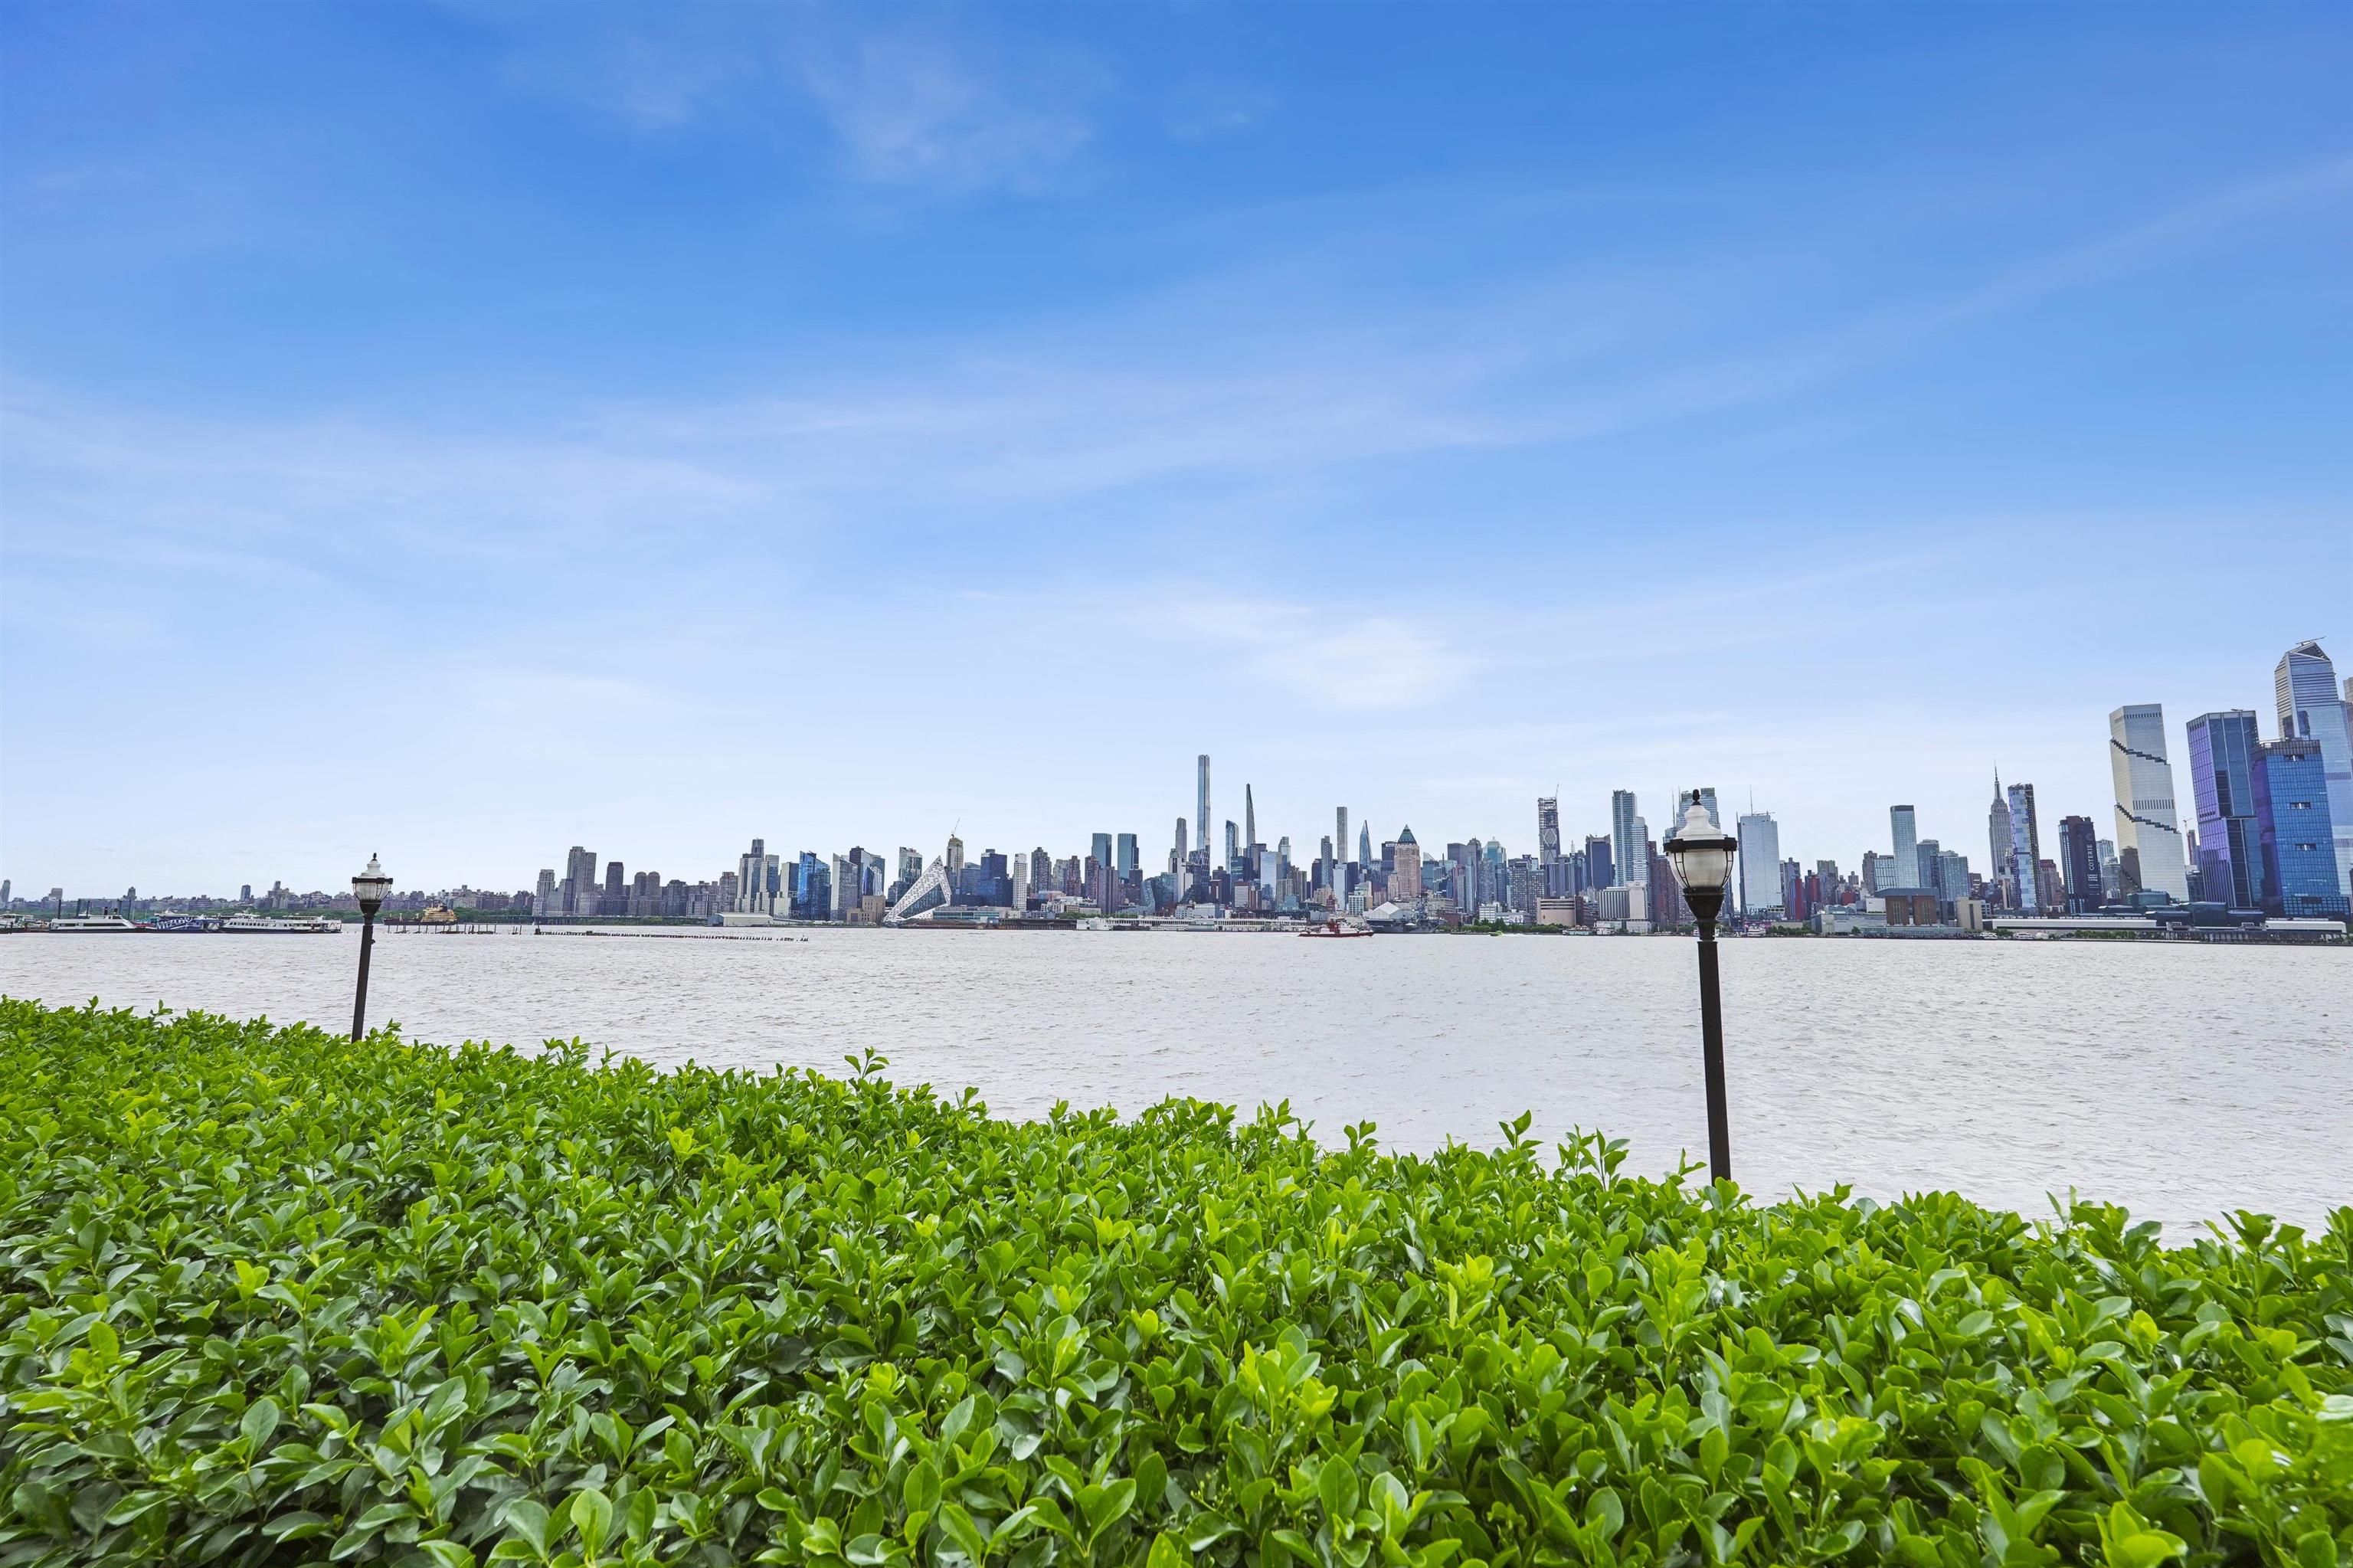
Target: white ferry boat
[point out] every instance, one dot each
(263, 922)
(90, 923)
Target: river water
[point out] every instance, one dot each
(2183, 1081)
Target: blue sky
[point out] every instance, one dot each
(465, 431)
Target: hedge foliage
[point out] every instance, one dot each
(269, 1296)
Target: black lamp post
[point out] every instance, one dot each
(1702, 856)
(370, 886)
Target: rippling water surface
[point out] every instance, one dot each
(2183, 1081)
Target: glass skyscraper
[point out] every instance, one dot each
(1627, 860)
(2222, 761)
(1760, 864)
(2311, 708)
(2147, 830)
(2025, 850)
(2293, 816)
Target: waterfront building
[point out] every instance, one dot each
(2296, 830)
(1600, 863)
(1952, 876)
(2311, 708)
(756, 880)
(1405, 877)
(2149, 828)
(579, 891)
(931, 890)
(1761, 893)
(1907, 847)
(543, 902)
(1201, 813)
(1998, 838)
(1339, 878)
(2025, 852)
(2222, 761)
(2079, 865)
(1625, 841)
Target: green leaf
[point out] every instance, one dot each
(1337, 1487)
(1106, 1506)
(528, 1519)
(921, 1492)
(965, 1534)
(261, 1418)
(591, 1516)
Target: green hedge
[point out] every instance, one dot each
(267, 1296)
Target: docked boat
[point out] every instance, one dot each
(1337, 928)
(90, 923)
(250, 924)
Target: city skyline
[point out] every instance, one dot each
(2254, 829)
(437, 430)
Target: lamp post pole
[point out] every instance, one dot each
(1702, 853)
(1711, 1031)
(370, 886)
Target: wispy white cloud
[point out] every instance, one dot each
(917, 108)
(907, 101)
(1346, 661)
(1200, 111)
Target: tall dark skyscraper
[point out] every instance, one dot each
(2079, 863)
(1250, 819)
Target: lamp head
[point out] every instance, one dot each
(370, 887)
(1701, 855)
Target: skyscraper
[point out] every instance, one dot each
(1126, 853)
(1998, 839)
(1340, 855)
(1405, 877)
(2025, 856)
(1600, 861)
(1548, 830)
(1760, 866)
(2147, 826)
(1907, 847)
(1626, 857)
(2293, 816)
(1365, 845)
(2079, 863)
(1250, 818)
(1201, 815)
(2311, 708)
(2222, 761)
